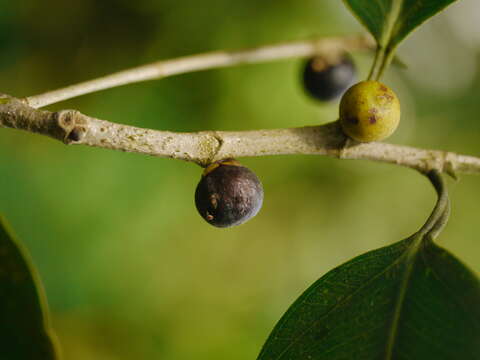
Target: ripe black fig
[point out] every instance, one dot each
(228, 194)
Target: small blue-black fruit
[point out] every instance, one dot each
(326, 79)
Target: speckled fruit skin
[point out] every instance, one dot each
(228, 194)
(327, 79)
(369, 111)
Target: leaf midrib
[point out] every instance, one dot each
(410, 255)
(390, 22)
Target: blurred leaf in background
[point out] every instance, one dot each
(25, 326)
(130, 269)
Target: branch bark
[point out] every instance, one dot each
(202, 148)
(160, 69)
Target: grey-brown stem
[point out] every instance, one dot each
(73, 127)
(160, 69)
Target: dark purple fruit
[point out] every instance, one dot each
(327, 79)
(228, 194)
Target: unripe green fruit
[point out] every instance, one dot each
(369, 111)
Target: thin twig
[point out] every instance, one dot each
(72, 127)
(161, 69)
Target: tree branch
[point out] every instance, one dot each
(161, 69)
(72, 127)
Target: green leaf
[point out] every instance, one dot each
(390, 21)
(410, 300)
(25, 332)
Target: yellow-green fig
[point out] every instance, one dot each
(369, 111)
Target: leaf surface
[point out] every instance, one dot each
(24, 329)
(410, 300)
(390, 21)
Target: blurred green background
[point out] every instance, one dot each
(131, 271)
